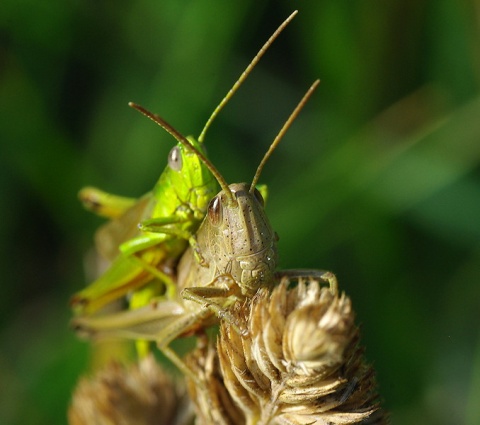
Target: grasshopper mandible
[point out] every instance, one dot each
(239, 254)
(169, 216)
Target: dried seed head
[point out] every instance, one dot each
(140, 394)
(213, 403)
(301, 362)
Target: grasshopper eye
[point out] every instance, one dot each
(259, 197)
(215, 211)
(175, 159)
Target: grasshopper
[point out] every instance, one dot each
(176, 205)
(239, 254)
(169, 215)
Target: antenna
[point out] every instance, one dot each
(282, 132)
(245, 74)
(184, 141)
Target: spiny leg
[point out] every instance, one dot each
(203, 296)
(323, 275)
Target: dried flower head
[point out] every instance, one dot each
(212, 401)
(138, 394)
(301, 362)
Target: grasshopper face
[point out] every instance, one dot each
(240, 240)
(185, 186)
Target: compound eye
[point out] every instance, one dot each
(259, 197)
(175, 159)
(215, 211)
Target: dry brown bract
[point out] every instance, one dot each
(300, 364)
(140, 394)
(213, 403)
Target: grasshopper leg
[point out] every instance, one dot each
(139, 299)
(204, 295)
(163, 277)
(105, 204)
(185, 324)
(323, 275)
(190, 321)
(157, 226)
(197, 252)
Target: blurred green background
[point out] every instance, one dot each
(378, 180)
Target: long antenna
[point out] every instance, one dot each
(184, 141)
(282, 132)
(245, 74)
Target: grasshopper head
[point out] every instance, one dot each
(242, 241)
(188, 175)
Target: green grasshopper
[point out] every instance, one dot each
(176, 206)
(239, 254)
(168, 216)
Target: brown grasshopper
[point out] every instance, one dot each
(237, 248)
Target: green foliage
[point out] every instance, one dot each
(378, 180)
